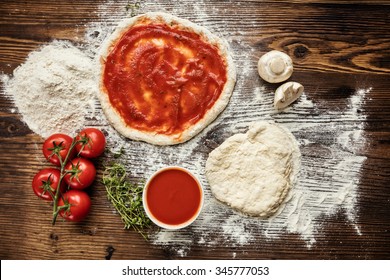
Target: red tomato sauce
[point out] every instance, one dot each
(173, 196)
(162, 79)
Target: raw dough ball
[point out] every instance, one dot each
(253, 172)
(275, 67)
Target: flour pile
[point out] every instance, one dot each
(54, 89)
(60, 78)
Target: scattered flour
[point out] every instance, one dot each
(329, 177)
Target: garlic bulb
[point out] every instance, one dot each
(275, 67)
(287, 94)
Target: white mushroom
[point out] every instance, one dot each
(275, 67)
(287, 94)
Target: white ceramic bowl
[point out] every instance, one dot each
(160, 223)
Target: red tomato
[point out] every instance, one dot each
(79, 205)
(46, 182)
(57, 144)
(81, 173)
(92, 143)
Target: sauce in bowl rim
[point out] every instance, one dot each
(149, 212)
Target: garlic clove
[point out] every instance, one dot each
(287, 94)
(275, 67)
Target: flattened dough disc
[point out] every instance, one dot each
(253, 172)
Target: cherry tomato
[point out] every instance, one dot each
(79, 205)
(46, 182)
(92, 143)
(57, 144)
(81, 173)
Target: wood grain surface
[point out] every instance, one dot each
(338, 47)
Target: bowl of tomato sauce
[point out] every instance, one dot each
(173, 197)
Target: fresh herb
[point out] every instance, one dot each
(126, 198)
(119, 153)
(133, 7)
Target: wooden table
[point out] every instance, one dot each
(338, 47)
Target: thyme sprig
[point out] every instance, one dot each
(126, 197)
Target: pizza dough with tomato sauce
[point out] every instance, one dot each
(163, 79)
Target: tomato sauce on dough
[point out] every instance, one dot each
(162, 79)
(173, 196)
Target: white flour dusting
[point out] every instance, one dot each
(329, 142)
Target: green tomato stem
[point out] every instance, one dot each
(63, 173)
